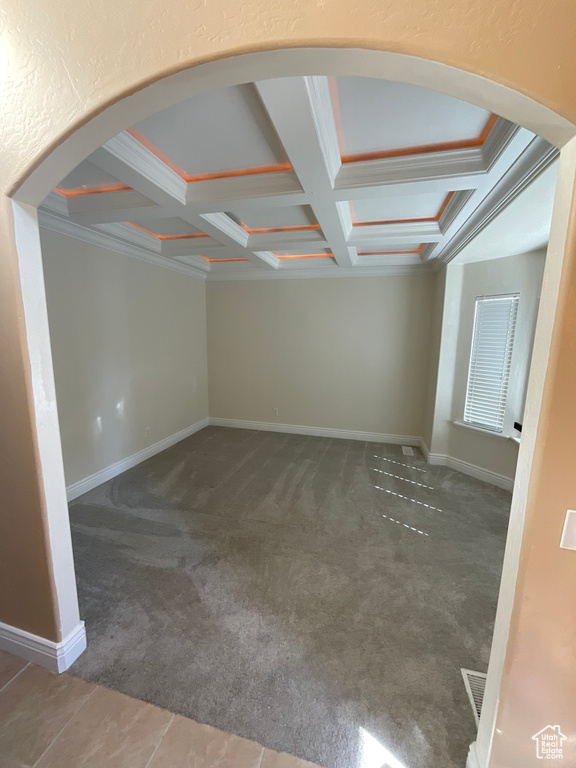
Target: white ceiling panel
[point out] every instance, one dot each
(224, 257)
(375, 250)
(168, 227)
(216, 132)
(299, 252)
(277, 218)
(381, 116)
(88, 176)
(398, 208)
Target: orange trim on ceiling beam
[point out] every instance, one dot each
(215, 261)
(389, 253)
(337, 112)
(145, 141)
(278, 229)
(440, 147)
(79, 191)
(425, 148)
(304, 255)
(443, 207)
(165, 237)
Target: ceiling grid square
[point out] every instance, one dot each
(300, 177)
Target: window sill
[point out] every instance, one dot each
(463, 425)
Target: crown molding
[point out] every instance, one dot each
(56, 203)
(317, 272)
(532, 162)
(234, 189)
(112, 242)
(411, 168)
(136, 158)
(195, 261)
(133, 236)
(323, 117)
(497, 141)
(397, 232)
(456, 205)
(301, 238)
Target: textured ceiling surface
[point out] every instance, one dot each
(303, 175)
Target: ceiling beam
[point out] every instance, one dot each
(134, 164)
(301, 239)
(399, 232)
(301, 112)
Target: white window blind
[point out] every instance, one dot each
(490, 359)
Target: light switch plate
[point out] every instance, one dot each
(568, 540)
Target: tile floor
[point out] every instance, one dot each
(60, 721)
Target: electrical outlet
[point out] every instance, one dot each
(275, 411)
(147, 432)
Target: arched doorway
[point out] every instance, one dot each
(294, 61)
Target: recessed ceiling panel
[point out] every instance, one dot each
(295, 253)
(401, 208)
(167, 228)
(214, 133)
(403, 248)
(287, 217)
(87, 177)
(223, 257)
(382, 116)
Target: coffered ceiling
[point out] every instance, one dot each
(300, 177)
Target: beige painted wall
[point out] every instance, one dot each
(345, 353)
(129, 349)
(516, 274)
(463, 283)
(434, 393)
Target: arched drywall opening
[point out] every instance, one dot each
(31, 188)
(129, 108)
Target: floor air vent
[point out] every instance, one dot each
(407, 450)
(475, 682)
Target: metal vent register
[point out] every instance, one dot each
(475, 683)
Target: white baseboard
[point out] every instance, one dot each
(374, 437)
(439, 459)
(424, 448)
(296, 429)
(55, 657)
(92, 481)
(473, 760)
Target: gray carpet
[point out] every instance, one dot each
(261, 583)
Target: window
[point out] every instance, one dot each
(490, 359)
